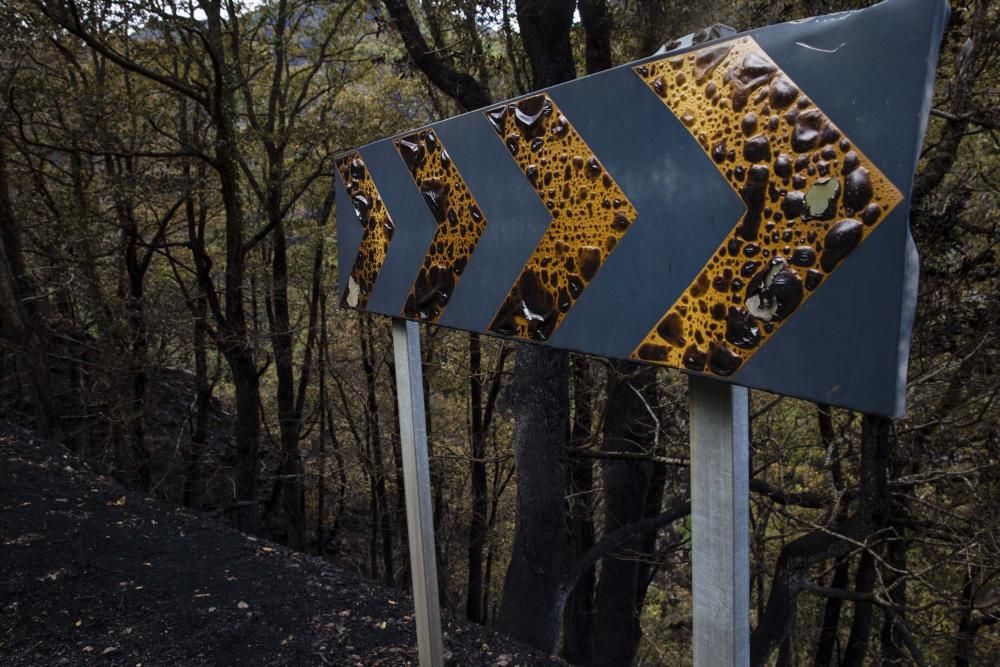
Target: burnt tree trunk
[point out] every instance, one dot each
(892, 638)
(381, 513)
(628, 427)
(202, 402)
(138, 364)
(244, 370)
(578, 617)
(540, 401)
(545, 29)
(477, 524)
(233, 336)
(828, 643)
(289, 480)
(19, 316)
(970, 622)
(196, 219)
(861, 624)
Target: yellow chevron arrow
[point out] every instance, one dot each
(460, 224)
(378, 226)
(811, 198)
(590, 215)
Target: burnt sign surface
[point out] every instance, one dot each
(737, 209)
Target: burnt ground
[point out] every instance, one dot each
(91, 573)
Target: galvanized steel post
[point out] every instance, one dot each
(417, 481)
(720, 517)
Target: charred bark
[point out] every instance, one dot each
(19, 316)
(545, 29)
(861, 623)
(828, 644)
(597, 39)
(628, 427)
(578, 618)
(477, 524)
(540, 400)
(382, 528)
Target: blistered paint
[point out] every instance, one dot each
(460, 223)
(378, 229)
(811, 197)
(590, 215)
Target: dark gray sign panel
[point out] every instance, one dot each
(737, 209)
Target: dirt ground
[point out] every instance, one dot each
(93, 574)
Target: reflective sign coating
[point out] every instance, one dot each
(590, 214)
(370, 211)
(460, 223)
(811, 198)
(825, 313)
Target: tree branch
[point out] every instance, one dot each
(462, 87)
(66, 15)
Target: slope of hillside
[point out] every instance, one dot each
(93, 574)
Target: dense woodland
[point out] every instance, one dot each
(168, 310)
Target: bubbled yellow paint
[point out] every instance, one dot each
(378, 230)
(460, 223)
(590, 215)
(811, 198)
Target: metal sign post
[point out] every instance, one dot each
(417, 482)
(720, 516)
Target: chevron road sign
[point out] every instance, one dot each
(736, 209)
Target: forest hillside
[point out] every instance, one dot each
(97, 574)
